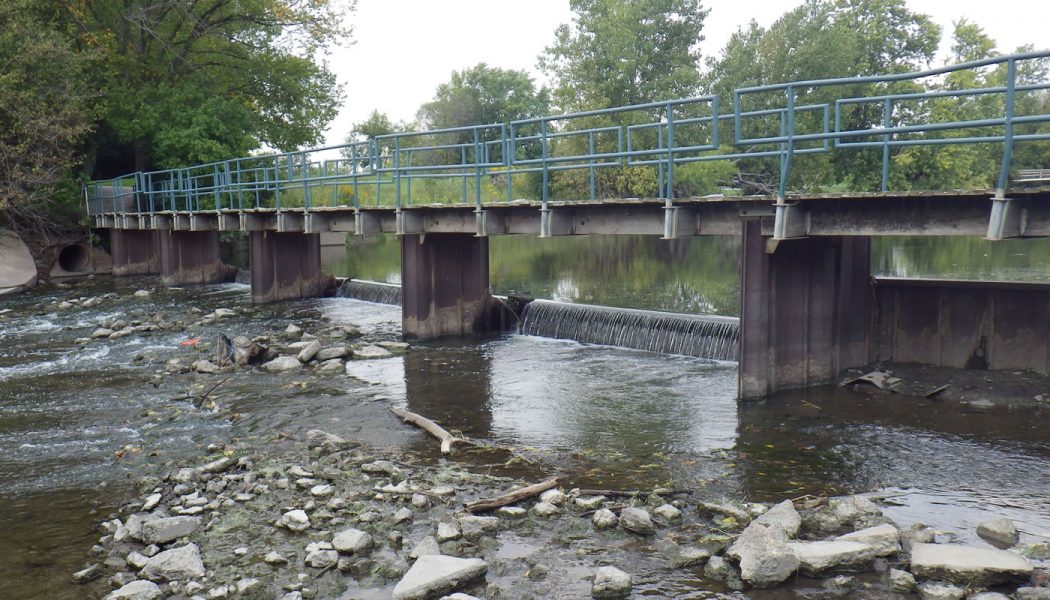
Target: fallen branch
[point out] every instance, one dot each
(409, 493)
(446, 438)
(633, 493)
(199, 398)
(512, 497)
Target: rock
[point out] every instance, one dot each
(739, 514)
(246, 585)
(936, 590)
(282, 364)
(275, 558)
(420, 501)
(719, 569)
(447, 532)
(294, 520)
(434, 574)
(459, 596)
(293, 331)
(511, 512)
(151, 502)
(141, 294)
(554, 496)
(971, 565)
(1000, 531)
(223, 313)
(176, 564)
(474, 527)
(331, 366)
(135, 522)
(884, 538)
(917, 534)
(610, 582)
(690, 556)
(784, 516)
(247, 352)
(667, 512)
(764, 556)
(101, 332)
(392, 345)
(443, 490)
(368, 352)
(309, 351)
(320, 558)
(136, 590)
(322, 491)
(352, 541)
(162, 531)
(605, 518)
(403, 514)
(428, 545)
(205, 366)
(852, 511)
(590, 503)
(818, 557)
(89, 574)
(901, 581)
(136, 560)
(990, 596)
(331, 353)
(545, 509)
(382, 467)
(636, 520)
(1032, 593)
(218, 465)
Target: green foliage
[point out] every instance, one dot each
(375, 125)
(483, 95)
(190, 82)
(47, 106)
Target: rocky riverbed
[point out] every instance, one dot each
(287, 510)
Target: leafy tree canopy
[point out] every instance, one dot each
(483, 95)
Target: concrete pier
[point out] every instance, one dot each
(135, 251)
(445, 286)
(286, 266)
(806, 310)
(191, 258)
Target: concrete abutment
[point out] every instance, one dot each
(135, 251)
(191, 258)
(286, 266)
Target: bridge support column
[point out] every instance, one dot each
(806, 310)
(191, 258)
(135, 251)
(445, 286)
(286, 266)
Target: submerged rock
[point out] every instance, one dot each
(605, 518)
(433, 574)
(369, 352)
(473, 527)
(901, 581)
(667, 512)
(973, 565)
(1001, 531)
(610, 582)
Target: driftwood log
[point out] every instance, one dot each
(633, 493)
(512, 497)
(446, 438)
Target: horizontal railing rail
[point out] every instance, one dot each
(496, 161)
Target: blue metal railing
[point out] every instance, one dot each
(464, 164)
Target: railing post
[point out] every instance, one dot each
(789, 150)
(590, 149)
(887, 122)
(397, 172)
(669, 193)
(477, 170)
(1008, 129)
(508, 158)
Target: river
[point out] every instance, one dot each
(81, 424)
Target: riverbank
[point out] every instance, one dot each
(123, 417)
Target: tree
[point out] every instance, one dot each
(622, 52)
(47, 106)
(375, 125)
(483, 95)
(188, 82)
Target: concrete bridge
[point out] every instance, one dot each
(809, 307)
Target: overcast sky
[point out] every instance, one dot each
(403, 49)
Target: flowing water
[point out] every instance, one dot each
(81, 424)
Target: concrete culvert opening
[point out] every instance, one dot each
(74, 258)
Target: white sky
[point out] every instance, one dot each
(403, 49)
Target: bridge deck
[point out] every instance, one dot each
(943, 213)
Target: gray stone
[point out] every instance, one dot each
(162, 531)
(604, 518)
(218, 465)
(884, 538)
(136, 560)
(403, 514)
(447, 532)
(151, 502)
(428, 545)
(545, 509)
(610, 582)
(205, 366)
(382, 467)
(818, 557)
(727, 510)
(352, 541)
(275, 558)
(511, 512)
(970, 565)
(989, 596)
(590, 502)
(294, 520)
(331, 366)
(901, 581)
(763, 555)
(89, 574)
(434, 574)
(937, 590)
(784, 516)
(667, 513)
(636, 520)
(850, 512)
(316, 437)
(420, 501)
(369, 352)
(309, 351)
(321, 558)
(136, 590)
(101, 332)
(176, 564)
(282, 363)
(293, 331)
(554, 496)
(1000, 531)
(1032, 593)
(720, 569)
(322, 491)
(459, 596)
(474, 527)
(917, 534)
(331, 353)
(690, 556)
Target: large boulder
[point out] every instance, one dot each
(1001, 532)
(973, 565)
(885, 538)
(434, 574)
(784, 516)
(819, 557)
(851, 512)
(176, 564)
(17, 267)
(764, 556)
(636, 520)
(610, 582)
